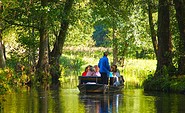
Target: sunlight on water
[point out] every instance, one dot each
(69, 100)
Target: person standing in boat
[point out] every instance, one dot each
(104, 68)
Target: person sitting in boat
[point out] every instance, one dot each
(111, 72)
(97, 70)
(91, 72)
(116, 74)
(86, 70)
(111, 75)
(115, 71)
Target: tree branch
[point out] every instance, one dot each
(18, 24)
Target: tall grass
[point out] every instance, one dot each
(135, 71)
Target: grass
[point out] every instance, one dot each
(136, 70)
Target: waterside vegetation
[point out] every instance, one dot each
(174, 84)
(42, 41)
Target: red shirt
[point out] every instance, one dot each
(84, 73)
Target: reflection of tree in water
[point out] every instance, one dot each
(99, 103)
(45, 104)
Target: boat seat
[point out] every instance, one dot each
(88, 79)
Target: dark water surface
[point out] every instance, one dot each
(68, 100)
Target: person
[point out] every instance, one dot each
(115, 70)
(86, 70)
(104, 66)
(116, 74)
(111, 75)
(91, 71)
(97, 70)
(111, 72)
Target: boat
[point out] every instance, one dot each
(93, 84)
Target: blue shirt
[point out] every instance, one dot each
(104, 65)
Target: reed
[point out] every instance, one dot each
(135, 71)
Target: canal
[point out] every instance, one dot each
(67, 99)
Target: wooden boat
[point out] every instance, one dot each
(93, 84)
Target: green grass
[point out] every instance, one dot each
(137, 70)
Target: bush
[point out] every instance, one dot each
(165, 84)
(70, 63)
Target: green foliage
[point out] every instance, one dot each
(165, 83)
(128, 19)
(157, 83)
(160, 82)
(3, 82)
(28, 38)
(70, 63)
(10, 79)
(88, 52)
(145, 54)
(18, 56)
(99, 35)
(80, 37)
(178, 84)
(81, 28)
(136, 71)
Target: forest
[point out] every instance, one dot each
(36, 36)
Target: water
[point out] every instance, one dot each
(69, 100)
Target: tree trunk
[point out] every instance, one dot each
(164, 59)
(180, 15)
(115, 46)
(152, 30)
(2, 52)
(59, 43)
(43, 62)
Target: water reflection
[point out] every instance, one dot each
(99, 103)
(49, 101)
(167, 102)
(69, 100)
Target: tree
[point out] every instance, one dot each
(152, 30)
(180, 16)
(2, 49)
(43, 18)
(43, 62)
(59, 43)
(164, 58)
(100, 35)
(112, 14)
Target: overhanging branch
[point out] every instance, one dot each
(19, 24)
